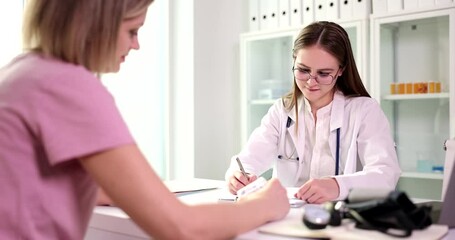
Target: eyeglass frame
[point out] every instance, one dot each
(316, 77)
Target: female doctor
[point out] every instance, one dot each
(327, 135)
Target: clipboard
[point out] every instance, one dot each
(225, 195)
(192, 185)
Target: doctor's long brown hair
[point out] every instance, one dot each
(334, 40)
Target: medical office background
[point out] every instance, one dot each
(191, 94)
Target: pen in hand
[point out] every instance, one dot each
(241, 168)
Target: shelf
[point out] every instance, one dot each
(262, 101)
(434, 176)
(435, 7)
(415, 96)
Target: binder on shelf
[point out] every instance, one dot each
(380, 6)
(268, 11)
(272, 8)
(284, 19)
(296, 12)
(361, 8)
(410, 4)
(308, 11)
(394, 5)
(346, 9)
(320, 10)
(426, 3)
(333, 10)
(253, 15)
(440, 2)
(264, 16)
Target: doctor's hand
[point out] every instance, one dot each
(319, 190)
(238, 181)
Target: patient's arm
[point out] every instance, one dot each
(103, 199)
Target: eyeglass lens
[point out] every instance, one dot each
(304, 75)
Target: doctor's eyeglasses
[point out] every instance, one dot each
(303, 74)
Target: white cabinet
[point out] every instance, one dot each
(413, 76)
(266, 63)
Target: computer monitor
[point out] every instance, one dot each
(449, 147)
(447, 215)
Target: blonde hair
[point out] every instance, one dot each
(82, 32)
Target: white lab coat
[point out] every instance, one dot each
(367, 154)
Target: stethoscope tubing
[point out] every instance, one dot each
(337, 151)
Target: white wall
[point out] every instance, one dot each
(10, 26)
(140, 87)
(204, 76)
(181, 84)
(217, 88)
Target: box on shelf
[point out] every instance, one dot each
(272, 89)
(415, 87)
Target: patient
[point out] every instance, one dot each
(63, 138)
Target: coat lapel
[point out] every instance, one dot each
(298, 138)
(336, 121)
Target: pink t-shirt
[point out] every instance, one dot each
(51, 113)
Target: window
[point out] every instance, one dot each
(10, 26)
(139, 88)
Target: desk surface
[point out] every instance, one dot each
(114, 221)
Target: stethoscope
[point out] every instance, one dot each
(290, 157)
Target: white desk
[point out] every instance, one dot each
(113, 224)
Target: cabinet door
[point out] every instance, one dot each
(358, 36)
(267, 75)
(413, 62)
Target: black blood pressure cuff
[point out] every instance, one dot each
(395, 214)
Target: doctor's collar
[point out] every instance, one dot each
(326, 108)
